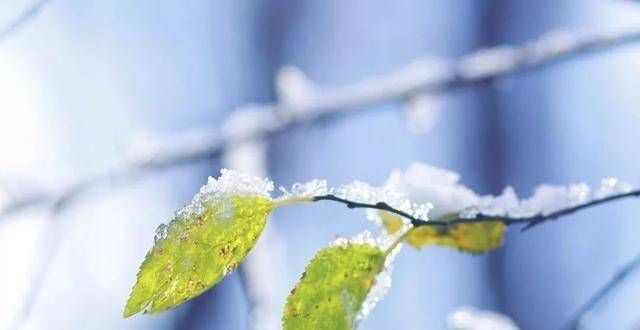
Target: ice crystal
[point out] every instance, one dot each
(161, 232)
(230, 183)
(362, 192)
(382, 279)
(382, 242)
(380, 288)
(469, 318)
(307, 189)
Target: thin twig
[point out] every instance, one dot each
(337, 102)
(480, 217)
(19, 21)
(622, 274)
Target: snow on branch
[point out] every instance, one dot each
(301, 102)
(428, 196)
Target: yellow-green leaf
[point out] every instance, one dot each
(333, 288)
(196, 253)
(391, 221)
(469, 237)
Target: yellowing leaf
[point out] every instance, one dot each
(470, 237)
(333, 288)
(391, 221)
(197, 253)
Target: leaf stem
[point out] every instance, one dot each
(398, 240)
(293, 200)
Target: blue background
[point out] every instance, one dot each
(100, 72)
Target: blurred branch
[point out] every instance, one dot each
(480, 217)
(48, 249)
(622, 274)
(27, 15)
(302, 103)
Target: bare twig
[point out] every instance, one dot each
(16, 23)
(620, 276)
(480, 67)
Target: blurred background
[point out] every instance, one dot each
(81, 81)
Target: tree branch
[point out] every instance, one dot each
(620, 276)
(22, 19)
(476, 68)
(480, 217)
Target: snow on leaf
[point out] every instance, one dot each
(205, 242)
(469, 318)
(339, 286)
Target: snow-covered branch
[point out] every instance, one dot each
(302, 102)
(425, 195)
(509, 220)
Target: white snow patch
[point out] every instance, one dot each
(489, 62)
(294, 88)
(380, 288)
(362, 192)
(422, 112)
(424, 183)
(547, 199)
(612, 186)
(310, 188)
(469, 318)
(383, 279)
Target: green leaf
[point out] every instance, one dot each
(333, 287)
(198, 252)
(475, 237)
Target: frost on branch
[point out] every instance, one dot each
(204, 242)
(357, 192)
(294, 88)
(440, 187)
(468, 318)
(362, 192)
(450, 199)
(340, 285)
(306, 190)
